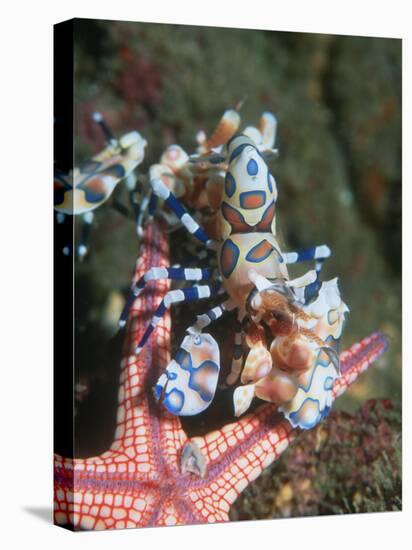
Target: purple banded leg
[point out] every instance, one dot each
(312, 289)
(157, 273)
(317, 253)
(172, 297)
(139, 198)
(140, 212)
(210, 316)
(163, 192)
(214, 159)
(153, 200)
(146, 207)
(99, 119)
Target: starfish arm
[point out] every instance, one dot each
(139, 428)
(238, 452)
(133, 413)
(103, 492)
(357, 359)
(120, 487)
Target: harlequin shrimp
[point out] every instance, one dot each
(303, 316)
(198, 180)
(88, 186)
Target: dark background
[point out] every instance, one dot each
(338, 104)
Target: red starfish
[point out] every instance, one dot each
(139, 482)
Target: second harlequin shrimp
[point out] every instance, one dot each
(89, 185)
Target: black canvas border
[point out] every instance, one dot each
(63, 295)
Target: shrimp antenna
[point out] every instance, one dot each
(240, 103)
(99, 119)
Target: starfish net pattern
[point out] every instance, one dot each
(138, 482)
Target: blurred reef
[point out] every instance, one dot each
(338, 103)
(350, 464)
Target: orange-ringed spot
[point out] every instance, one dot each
(229, 257)
(260, 252)
(230, 185)
(94, 189)
(252, 199)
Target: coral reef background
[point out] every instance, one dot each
(338, 103)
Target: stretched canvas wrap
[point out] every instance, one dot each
(227, 207)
